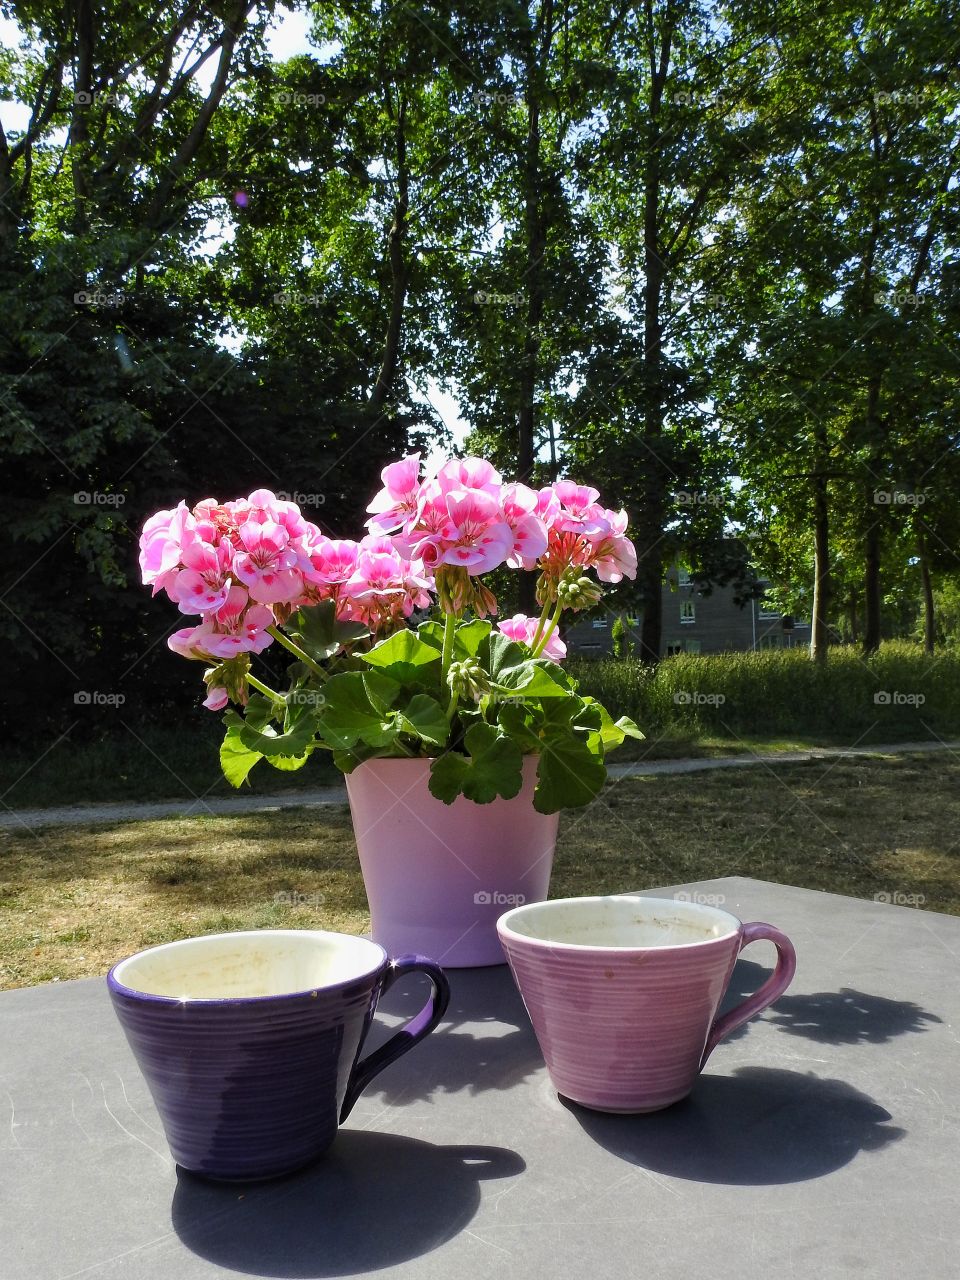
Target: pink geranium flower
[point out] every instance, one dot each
(522, 628)
(397, 500)
(267, 564)
(162, 541)
(519, 505)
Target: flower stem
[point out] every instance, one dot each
(446, 655)
(541, 644)
(296, 651)
(541, 624)
(263, 688)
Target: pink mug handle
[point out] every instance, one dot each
(771, 990)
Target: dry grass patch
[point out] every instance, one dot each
(72, 901)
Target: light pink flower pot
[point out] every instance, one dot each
(439, 876)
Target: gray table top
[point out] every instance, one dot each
(821, 1140)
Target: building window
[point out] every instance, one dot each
(673, 647)
(599, 624)
(771, 641)
(688, 612)
(632, 620)
(683, 578)
(767, 610)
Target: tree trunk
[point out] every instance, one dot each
(536, 242)
(819, 635)
(854, 619)
(871, 612)
(929, 616)
(650, 544)
(385, 386)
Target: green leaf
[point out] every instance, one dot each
(348, 715)
(425, 719)
(236, 760)
(569, 774)
(494, 768)
(469, 636)
(612, 732)
(318, 632)
(289, 763)
(446, 776)
(522, 724)
(403, 657)
(270, 743)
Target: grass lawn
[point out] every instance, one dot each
(74, 900)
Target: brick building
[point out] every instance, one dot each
(695, 623)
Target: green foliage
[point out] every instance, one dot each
(403, 704)
(896, 693)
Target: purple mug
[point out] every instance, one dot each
(250, 1042)
(623, 991)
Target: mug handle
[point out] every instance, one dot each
(771, 990)
(408, 1035)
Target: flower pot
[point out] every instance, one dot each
(439, 876)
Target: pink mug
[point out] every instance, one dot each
(623, 991)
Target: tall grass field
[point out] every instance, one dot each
(899, 693)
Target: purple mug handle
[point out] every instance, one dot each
(771, 990)
(419, 1026)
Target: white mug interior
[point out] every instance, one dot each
(248, 965)
(621, 921)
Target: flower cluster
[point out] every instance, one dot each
(244, 567)
(465, 521)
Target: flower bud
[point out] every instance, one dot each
(467, 679)
(578, 593)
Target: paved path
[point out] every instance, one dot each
(88, 814)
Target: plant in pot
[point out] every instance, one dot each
(461, 739)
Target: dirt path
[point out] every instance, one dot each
(85, 815)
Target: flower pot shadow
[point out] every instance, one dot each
(760, 1126)
(485, 1041)
(374, 1200)
(828, 1017)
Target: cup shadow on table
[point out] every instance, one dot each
(760, 1126)
(484, 1043)
(828, 1017)
(374, 1200)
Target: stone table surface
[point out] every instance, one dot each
(822, 1140)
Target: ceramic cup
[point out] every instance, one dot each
(623, 992)
(250, 1042)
